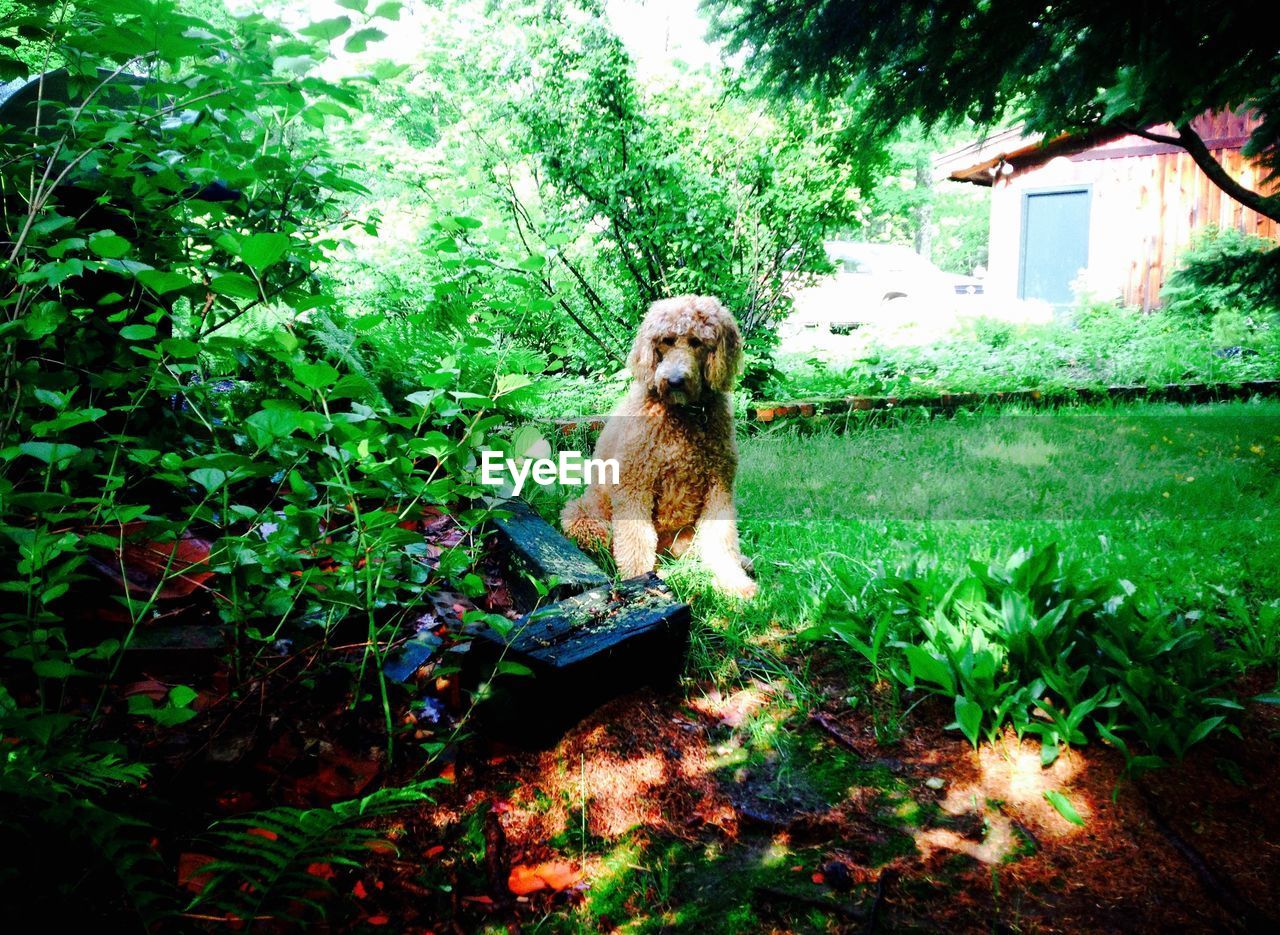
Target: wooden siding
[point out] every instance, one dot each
(1148, 200)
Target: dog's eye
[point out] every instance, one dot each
(668, 342)
(695, 343)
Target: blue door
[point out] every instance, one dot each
(1055, 244)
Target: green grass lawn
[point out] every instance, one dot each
(1181, 498)
(1185, 499)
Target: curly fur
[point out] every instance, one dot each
(674, 442)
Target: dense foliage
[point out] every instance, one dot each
(1038, 645)
(183, 422)
(264, 298)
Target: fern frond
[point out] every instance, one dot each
(263, 859)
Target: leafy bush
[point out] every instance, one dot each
(1038, 645)
(165, 233)
(1105, 345)
(1225, 271)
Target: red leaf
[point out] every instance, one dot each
(190, 871)
(554, 874)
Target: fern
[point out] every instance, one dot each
(263, 859)
(52, 797)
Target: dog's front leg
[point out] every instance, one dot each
(716, 541)
(635, 540)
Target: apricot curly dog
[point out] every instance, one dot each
(674, 443)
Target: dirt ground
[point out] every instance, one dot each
(642, 819)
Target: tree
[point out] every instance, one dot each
(1063, 66)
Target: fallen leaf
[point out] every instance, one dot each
(554, 874)
(191, 875)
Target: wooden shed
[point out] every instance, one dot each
(1109, 210)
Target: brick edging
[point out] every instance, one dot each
(835, 405)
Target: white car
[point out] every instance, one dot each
(882, 284)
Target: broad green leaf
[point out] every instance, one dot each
(969, 717)
(316, 376)
(1063, 806)
(510, 382)
(928, 668)
(138, 332)
(234, 285)
(109, 245)
(262, 250)
(327, 29)
(359, 40)
(1204, 729)
(49, 452)
(209, 478)
(162, 282)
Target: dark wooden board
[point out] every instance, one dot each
(538, 548)
(580, 653)
(600, 620)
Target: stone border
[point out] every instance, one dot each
(818, 407)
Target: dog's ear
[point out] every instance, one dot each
(725, 357)
(642, 360)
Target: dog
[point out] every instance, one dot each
(673, 439)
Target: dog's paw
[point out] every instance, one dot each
(744, 589)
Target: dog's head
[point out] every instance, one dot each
(686, 347)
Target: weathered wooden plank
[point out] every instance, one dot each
(542, 551)
(580, 653)
(600, 620)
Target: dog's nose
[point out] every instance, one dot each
(675, 381)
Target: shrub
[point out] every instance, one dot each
(1225, 271)
(1038, 645)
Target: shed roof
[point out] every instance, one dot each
(979, 162)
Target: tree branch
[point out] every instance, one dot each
(1194, 145)
(1153, 137)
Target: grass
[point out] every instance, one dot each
(1184, 499)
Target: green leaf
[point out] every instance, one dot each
(1063, 806)
(108, 245)
(390, 10)
(48, 452)
(969, 717)
(181, 348)
(510, 382)
(234, 285)
(928, 668)
(209, 478)
(181, 695)
(138, 332)
(1267, 698)
(317, 376)
(162, 282)
(359, 40)
(327, 29)
(1204, 729)
(263, 250)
